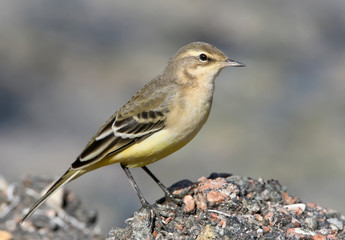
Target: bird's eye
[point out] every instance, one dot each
(203, 57)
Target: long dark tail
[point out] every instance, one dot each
(66, 178)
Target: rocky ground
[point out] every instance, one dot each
(62, 217)
(232, 207)
(218, 207)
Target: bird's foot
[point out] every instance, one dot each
(154, 216)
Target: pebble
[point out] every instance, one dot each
(189, 203)
(338, 225)
(298, 207)
(311, 223)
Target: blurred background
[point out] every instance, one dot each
(66, 66)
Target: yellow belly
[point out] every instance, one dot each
(153, 148)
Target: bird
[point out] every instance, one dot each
(158, 120)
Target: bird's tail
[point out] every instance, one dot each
(66, 178)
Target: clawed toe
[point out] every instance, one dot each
(154, 215)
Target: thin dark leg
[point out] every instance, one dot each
(143, 201)
(160, 184)
(168, 194)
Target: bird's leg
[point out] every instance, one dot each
(168, 194)
(144, 203)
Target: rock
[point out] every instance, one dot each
(189, 203)
(232, 207)
(222, 206)
(62, 217)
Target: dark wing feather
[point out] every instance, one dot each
(144, 115)
(117, 135)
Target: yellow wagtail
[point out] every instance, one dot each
(160, 119)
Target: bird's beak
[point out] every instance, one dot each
(232, 63)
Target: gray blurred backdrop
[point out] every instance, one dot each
(66, 66)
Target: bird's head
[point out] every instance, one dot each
(199, 61)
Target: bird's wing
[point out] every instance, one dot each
(142, 116)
